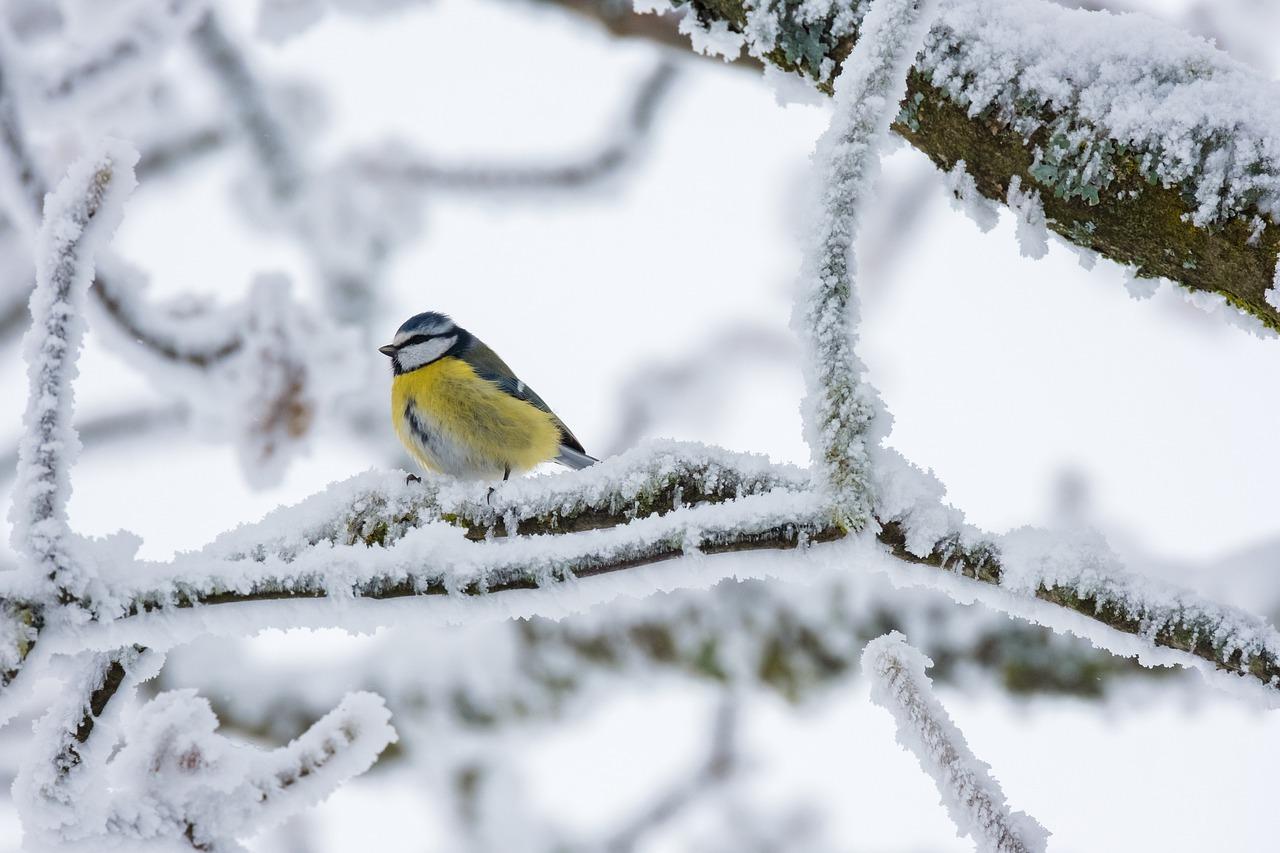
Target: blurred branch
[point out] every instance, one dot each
(268, 138)
(628, 141)
(166, 156)
(697, 376)
(123, 425)
(134, 43)
(720, 763)
(137, 322)
(1152, 224)
(172, 777)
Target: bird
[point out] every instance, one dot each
(460, 411)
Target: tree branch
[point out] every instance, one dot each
(1199, 208)
(973, 798)
(79, 217)
(418, 170)
(374, 537)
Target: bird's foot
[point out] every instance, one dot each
(412, 478)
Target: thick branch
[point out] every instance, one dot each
(1205, 219)
(376, 537)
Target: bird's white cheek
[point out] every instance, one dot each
(413, 357)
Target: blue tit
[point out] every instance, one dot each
(460, 410)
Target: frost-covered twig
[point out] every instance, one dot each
(1152, 148)
(54, 786)
(418, 170)
(840, 409)
(79, 218)
(174, 778)
(973, 798)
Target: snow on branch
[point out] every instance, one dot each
(55, 787)
(79, 218)
(376, 537)
(174, 778)
(199, 342)
(839, 407)
(1149, 146)
(973, 798)
(129, 50)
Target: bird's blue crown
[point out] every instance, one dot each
(426, 323)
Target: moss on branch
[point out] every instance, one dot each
(1130, 218)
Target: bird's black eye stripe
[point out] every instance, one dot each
(417, 339)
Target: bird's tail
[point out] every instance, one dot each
(574, 459)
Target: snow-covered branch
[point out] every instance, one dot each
(55, 784)
(78, 219)
(973, 798)
(131, 46)
(1150, 147)
(98, 776)
(186, 341)
(374, 537)
(840, 409)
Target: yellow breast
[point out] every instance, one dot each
(454, 422)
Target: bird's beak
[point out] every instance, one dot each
(389, 350)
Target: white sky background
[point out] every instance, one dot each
(1002, 375)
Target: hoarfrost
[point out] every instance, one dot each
(1273, 292)
(79, 217)
(1196, 115)
(840, 410)
(715, 39)
(966, 198)
(1033, 237)
(972, 797)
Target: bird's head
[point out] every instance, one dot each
(423, 338)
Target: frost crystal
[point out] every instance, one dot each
(839, 407)
(715, 39)
(1273, 292)
(973, 798)
(1033, 238)
(966, 198)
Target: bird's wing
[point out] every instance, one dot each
(487, 365)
